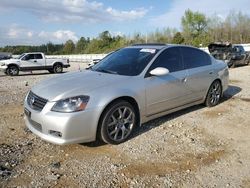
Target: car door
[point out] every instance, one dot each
(240, 54)
(32, 62)
(166, 92)
(26, 61)
(200, 72)
(39, 60)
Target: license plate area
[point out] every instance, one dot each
(27, 112)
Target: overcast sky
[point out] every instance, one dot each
(32, 22)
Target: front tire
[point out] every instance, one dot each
(12, 71)
(117, 122)
(214, 94)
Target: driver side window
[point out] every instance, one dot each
(170, 59)
(28, 57)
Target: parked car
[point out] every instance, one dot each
(126, 89)
(233, 55)
(33, 61)
(93, 62)
(4, 56)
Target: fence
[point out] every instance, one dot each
(86, 58)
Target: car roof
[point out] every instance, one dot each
(149, 45)
(158, 46)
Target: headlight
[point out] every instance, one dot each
(72, 104)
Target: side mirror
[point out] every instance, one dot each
(159, 71)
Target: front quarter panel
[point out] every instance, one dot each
(102, 97)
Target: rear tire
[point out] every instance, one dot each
(12, 70)
(214, 94)
(117, 122)
(58, 68)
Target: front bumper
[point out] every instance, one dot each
(3, 68)
(62, 128)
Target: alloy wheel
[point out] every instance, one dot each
(120, 123)
(215, 93)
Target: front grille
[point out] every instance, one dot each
(35, 102)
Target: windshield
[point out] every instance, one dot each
(239, 49)
(126, 61)
(20, 56)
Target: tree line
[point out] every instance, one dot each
(196, 29)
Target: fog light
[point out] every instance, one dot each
(55, 133)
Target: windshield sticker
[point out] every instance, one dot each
(152, 51)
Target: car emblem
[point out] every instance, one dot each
(32, 100)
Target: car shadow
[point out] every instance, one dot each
(229, 93)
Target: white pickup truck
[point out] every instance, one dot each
(33, 61)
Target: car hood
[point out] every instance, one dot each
(74, 84)
(214, 47)
(9, 61)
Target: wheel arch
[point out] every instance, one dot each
(57, 62)
(13, 64)
(128, 99)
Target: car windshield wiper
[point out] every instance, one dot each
(106, 71)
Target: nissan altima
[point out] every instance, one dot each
(127, 88)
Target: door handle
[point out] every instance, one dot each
(184, 79)
(35, 61)
(211, 72)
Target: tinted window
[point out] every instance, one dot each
(29, 56)
(170, 59)
(126, 61)
(239, 49)
(38, 56)
(194, 57)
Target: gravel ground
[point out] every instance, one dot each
(195, 147)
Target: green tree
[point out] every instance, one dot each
(81, 45)
(69, 47)
(178, 38)
(194, 25)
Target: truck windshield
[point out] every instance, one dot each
(20, 56)
(126, 61)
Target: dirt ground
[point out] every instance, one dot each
(195, 147)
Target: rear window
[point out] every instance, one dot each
(194, 58)
(38, 56)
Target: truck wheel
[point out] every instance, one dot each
(58, 68)
(13, 70)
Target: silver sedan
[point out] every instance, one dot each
(125, 89)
